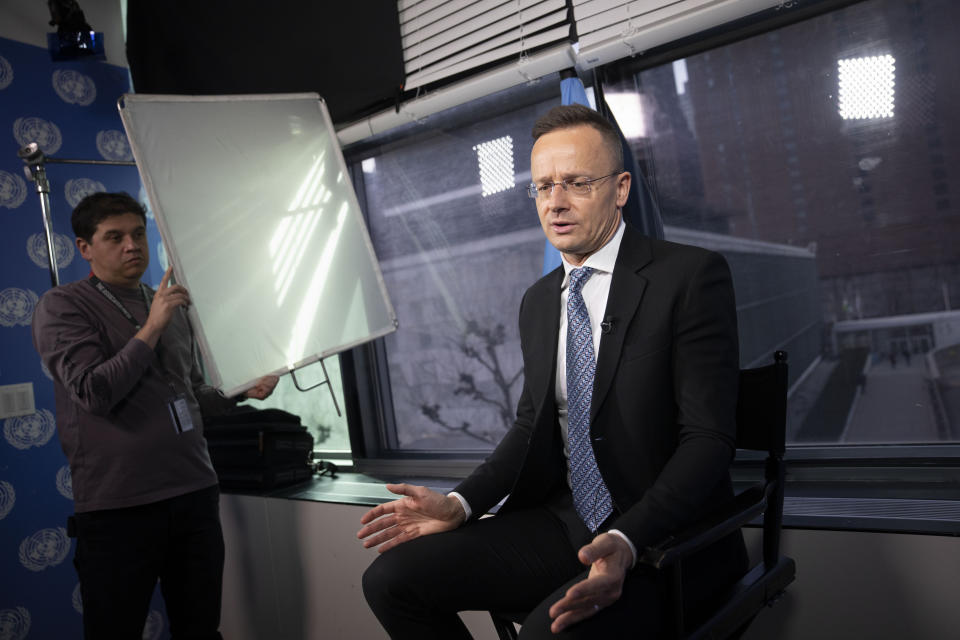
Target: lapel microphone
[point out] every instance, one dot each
(607, 325)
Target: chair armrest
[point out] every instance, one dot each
(746, 506)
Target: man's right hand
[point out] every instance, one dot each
(419, 512)
(165, 302)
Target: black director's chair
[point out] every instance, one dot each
(761, 426)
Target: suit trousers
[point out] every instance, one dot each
(522, 560)
(121, 553)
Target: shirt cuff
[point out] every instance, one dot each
(623, 536)
(466, 507)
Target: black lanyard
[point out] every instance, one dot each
(102, 288)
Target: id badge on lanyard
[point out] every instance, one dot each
(180, 413)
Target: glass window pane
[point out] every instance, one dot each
(459, 241)
(820, 159)
(315, 406)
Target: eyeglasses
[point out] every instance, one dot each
(575, 186)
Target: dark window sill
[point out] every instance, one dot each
(882, 515)
(928, 509)
(345, 488)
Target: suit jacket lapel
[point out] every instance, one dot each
(545, 300)
(626, 290)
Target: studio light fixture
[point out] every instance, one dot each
(74, 38)
(495, 164)
(866, 87)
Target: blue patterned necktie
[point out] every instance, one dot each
(590, 495)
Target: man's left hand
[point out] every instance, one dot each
(263, 388)
(609, 558)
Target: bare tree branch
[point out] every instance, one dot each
(485, 355)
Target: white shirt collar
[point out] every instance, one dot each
(603, 260)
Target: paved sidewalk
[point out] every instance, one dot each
(894, 406)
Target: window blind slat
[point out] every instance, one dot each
(605, 40)
(458, 61)
(423, 8)
(430, 24)
(512, 49)
(419, 43)
(628, 18)
(636, 14)
(407, 5)
(478, 14)
(587, 8)
(485, 39)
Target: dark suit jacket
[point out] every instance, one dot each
(663, 408)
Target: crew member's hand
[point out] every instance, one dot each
(165, 303)
(609, 558)
(263, 388)
(419, 512)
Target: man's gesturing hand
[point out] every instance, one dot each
(608, 557)
(419, 512)
(165, 302)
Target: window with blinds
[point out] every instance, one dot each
(449, 44)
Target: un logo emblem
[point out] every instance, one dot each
(37, 250)
(113, 145)
(13, 190)
(77, 600)
(77, 189)
(73, 87)
(44, 133)
(14, 623)
(153, 626)
(6, 73)
(16, 306)
(46, 548)
(23, 432)
(7, 499)
(65, 482)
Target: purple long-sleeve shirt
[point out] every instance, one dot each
(112, 396)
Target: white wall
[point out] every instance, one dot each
(866, 585)
(294, 569)
(26, 21)
(293, 572)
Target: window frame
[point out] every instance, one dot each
(834, 469)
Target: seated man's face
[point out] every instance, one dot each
(578, 225)
(118, 252)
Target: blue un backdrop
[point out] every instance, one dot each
(69, 108)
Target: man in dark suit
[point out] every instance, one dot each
(608, 454)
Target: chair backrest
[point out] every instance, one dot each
(762, 426)
(762, 406)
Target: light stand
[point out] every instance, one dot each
(36, 172)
